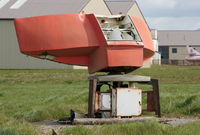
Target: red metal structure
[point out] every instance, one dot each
(109, 44)
(114, 44)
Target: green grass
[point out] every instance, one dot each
(11, 126)
(146, 128)
(36, 95)
(179, 89)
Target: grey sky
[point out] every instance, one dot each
(171, 14)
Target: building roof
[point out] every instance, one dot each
(178, 37)
(10, 9)
(119, 6)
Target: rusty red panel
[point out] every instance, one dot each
(57, 33)
(80, 60)
(125, 55)
(150, 101)
(112, 56)
(78, 39)
(145, 34)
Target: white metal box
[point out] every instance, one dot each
(126, 102)
(105, 101)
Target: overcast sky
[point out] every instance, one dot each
(171, 14)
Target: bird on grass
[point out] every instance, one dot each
(54, 132)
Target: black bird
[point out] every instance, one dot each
(54, 132)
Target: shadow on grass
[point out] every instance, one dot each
(187, 102)
(195, 110)
(1, 94)
(188, 106)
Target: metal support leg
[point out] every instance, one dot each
(91, 101)
(156, 96)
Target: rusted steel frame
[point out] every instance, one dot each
(153, 99)
(97, 100)
(91, 101)
(155, 86)
(150, 101)
(105, 110)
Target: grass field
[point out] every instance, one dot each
(35, 95)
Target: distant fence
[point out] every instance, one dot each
(175, 62)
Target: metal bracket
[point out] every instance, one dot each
(153, 98)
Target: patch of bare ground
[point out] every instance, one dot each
(47, 127)
(178, 121)
(52, 127)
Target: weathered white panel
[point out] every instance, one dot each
(12, 58)
(105, 101)
(129, 102)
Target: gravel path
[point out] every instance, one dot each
(178, 121)
(46, 127)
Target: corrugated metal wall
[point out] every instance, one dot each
(96, 6)
(10, 56)
(135, 11)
